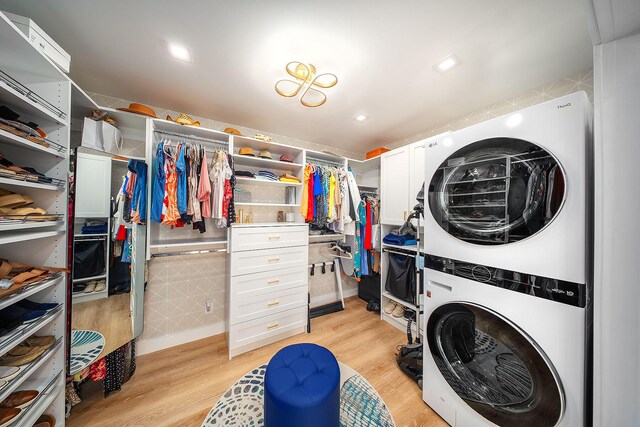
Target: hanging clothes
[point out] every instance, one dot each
(181, 173)
(204, 190)
(157, 196)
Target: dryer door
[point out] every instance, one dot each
(497, 191)
(494, 367)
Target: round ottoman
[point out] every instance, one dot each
(302, 388)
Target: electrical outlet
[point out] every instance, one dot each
(208, 306)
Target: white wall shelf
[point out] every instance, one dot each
(9, 138)
(259, 162)
(28, 369)
(398, 300)
(25, 331)
(20, 184)
(33, 111)
(15, 237)
(252, 181)
(187, 243)
(27, 291)
(18, 225)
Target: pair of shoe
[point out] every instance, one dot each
(45, 420)
(27, 351)
(394, 309)
(19, 399)
(373, 305)
(95, 286)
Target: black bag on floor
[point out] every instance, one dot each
(88, 259)
(401, 280)
(369, 288)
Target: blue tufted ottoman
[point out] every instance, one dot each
(302, 388)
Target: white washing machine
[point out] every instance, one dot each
(512, 192)
(506, 237)
(497, 356)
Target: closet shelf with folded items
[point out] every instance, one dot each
(91, 254)
(191, 191)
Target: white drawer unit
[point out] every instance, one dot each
(267, 237)
(267, 260)
(267, 284)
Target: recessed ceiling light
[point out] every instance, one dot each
(514, 120)
(360, 117)
(447, 63)
(179, 52)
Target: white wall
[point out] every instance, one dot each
(617, 234)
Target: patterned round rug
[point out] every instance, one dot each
(86, 346)
(243, 403)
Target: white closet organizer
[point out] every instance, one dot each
(162, 239)
(267, 284)
(32, 86)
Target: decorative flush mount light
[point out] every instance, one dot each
(179, 52)
(305, 78)
(360, 117)
(447, 63)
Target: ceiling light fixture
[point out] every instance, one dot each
(305, 77)
(360, 117)
(514, 120)
(179, 52)
(447, 63)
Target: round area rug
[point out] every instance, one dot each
(86, 346)
(243, 403)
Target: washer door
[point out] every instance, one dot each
(494, 366)
(497, 191)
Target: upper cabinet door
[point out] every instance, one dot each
(417, 165)
(394, 186)
(93, 186)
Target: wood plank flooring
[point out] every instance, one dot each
(180, 385)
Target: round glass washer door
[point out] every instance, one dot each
(497, 191)
(494, 367)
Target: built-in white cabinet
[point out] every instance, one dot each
(394, 186)
(93, 186)
(416, 171)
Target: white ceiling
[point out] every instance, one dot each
(382, 52)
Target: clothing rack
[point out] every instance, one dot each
(408, 254)
(167, 254)
(321, 162)
(193, 137)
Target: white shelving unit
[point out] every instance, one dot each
(31, 242)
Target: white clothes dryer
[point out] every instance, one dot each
(497, 353)
(512, 192)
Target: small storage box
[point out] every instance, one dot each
(376, 152)
(41, 41)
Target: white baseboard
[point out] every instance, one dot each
(167, 341)
(319, 300)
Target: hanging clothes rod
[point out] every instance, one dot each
(192, 137)
(409, 254)
(313, 160)
(167, 254)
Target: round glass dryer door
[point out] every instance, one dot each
(494, 367)
(497, 191)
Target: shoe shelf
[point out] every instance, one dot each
(23, 104)
(252, 181)
(18, 184)
(17, 225)
(53, 149)
(398, 300)
(11, 340)
(47, 395)
(15, 237)
(29, 290)
(86, 279)
(28, 369)
(259, 162)
(398, 322)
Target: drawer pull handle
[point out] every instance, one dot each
(273, 325)
(273, 260)
(274, 237)
(273, 281)
(273, 303)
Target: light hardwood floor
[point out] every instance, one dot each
(180, 385)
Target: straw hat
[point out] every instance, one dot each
(139, 109)
(183, 119)
(247, 151)
(233, 131)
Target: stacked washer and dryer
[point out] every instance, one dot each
(507, 270)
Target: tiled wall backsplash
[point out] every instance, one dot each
(179, 286)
